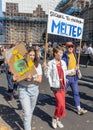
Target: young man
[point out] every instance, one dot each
(71, 62)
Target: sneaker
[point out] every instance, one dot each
(59, 124)
(54, 123)
(82, 111)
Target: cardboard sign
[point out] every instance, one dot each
(65, 25)
(3, 127)
(19, 62)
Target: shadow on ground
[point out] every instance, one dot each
(70, 101)
(10, 116)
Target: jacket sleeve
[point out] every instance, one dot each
(48, 73)
(70, 71)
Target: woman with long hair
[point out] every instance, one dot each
(29, 90)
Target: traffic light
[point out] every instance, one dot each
(44, 37)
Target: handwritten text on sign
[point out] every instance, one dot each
(65, 25)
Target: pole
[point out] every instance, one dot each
(79, 52)
(46, 47)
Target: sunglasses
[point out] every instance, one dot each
(70, 46)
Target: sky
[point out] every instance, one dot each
(27, 6)
(0, 7)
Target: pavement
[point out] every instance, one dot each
(11, 111)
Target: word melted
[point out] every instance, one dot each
(63, 28)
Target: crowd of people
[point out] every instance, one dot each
(87, 50)
(62, 71)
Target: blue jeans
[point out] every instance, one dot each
(28, 98)
(73, 83)
(9, 78)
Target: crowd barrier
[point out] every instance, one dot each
(84, 59)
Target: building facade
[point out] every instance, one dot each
(87, 14)
(24, 21)
(82, 9)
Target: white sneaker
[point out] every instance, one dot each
(82, 111)
(54, 123)
(59, 124)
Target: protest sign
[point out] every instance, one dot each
(19, 62)
(65, 25)
(3, 127)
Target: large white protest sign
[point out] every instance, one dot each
(65, 25)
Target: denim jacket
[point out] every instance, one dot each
(66, 58)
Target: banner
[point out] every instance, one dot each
(19, 62)
(65, 25)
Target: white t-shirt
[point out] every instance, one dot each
(39, 71)
(89, 50)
